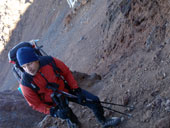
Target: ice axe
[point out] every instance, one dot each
(34, 42)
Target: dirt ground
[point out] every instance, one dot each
(127, 42)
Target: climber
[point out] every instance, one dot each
(43, 71)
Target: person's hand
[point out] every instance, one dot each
(53, 111)
(63, 113)
(80, 97)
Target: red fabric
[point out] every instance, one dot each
(34, 100)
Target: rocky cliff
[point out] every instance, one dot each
(127, 42)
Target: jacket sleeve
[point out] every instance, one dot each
(34, 101)
(66, 73)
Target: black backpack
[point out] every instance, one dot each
(18, 71)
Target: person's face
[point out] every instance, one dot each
(31, 68)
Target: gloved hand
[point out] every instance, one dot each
(61, 113)
(64, 113)
(53, 111)
(80, 96)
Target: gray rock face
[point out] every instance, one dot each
(162, 123)
(15, 112)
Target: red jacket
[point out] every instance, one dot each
(37, 101)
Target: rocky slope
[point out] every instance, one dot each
(127, 42)
(15, 112)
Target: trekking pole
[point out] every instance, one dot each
(65, 93)
(129, 115)
(73, 96)
(131, 107)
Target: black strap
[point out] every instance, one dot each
(27, 80)
(44, 77)
(16, 73)
(55, 68)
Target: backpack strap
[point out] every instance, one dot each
(27, 80)
(55, 68)
(17, 73)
